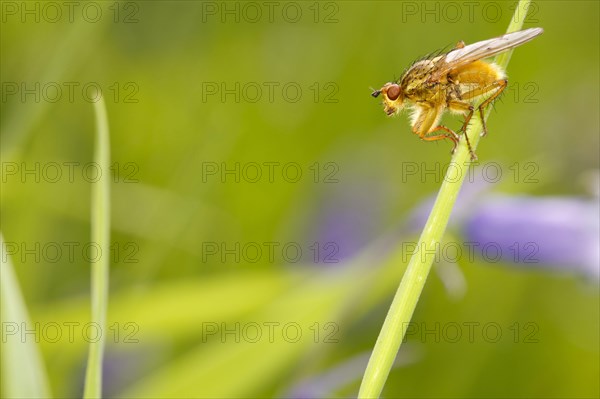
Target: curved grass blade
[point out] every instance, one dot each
(101, 236)
(23, 372)
(406, 298)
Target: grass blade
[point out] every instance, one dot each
(23, 372)
(101, 237)
(406, 298)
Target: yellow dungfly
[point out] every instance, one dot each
(458, 80)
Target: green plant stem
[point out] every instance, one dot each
(23, 370)
(406, 298)
(100, 268)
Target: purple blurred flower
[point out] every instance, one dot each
(347, 222)
(545, 232)
(532, 231)
(561, 232)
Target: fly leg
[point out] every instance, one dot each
(427, 117)
(496, 87)
(467, 109)
(450, 134)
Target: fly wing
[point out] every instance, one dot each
(486, 48)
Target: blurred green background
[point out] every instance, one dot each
(190, 319)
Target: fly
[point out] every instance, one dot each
(458, 81)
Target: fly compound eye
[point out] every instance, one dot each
(393, 92)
